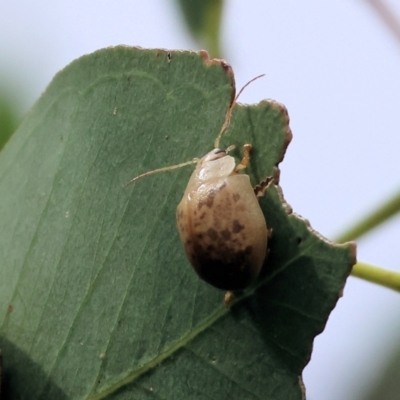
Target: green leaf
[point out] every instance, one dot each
(203, 19)
(97, 297)
(8, 121)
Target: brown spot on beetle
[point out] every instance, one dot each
(237, 227)
(209, 201)
(240, 208)
(226, 235)
(212, 233)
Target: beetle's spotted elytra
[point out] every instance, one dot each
(221, 223)
(219, 219)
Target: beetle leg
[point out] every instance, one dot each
(246, 158)
(229, 298)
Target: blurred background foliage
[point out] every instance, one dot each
(8, 119)
(203, 20)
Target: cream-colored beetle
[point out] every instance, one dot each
(221, 223)
(219, 218)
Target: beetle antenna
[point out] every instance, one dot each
(229, 112)
(156, 171)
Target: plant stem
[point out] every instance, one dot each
(380, 276)
(387, 15)
(376, 218)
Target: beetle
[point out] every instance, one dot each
(221, 223)
(219, 219)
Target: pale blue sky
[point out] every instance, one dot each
(336, 68)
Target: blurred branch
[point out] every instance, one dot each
(387, 16)
(375, 218)
(380, 276)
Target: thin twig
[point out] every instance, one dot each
(374, 218)
(388, 16)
